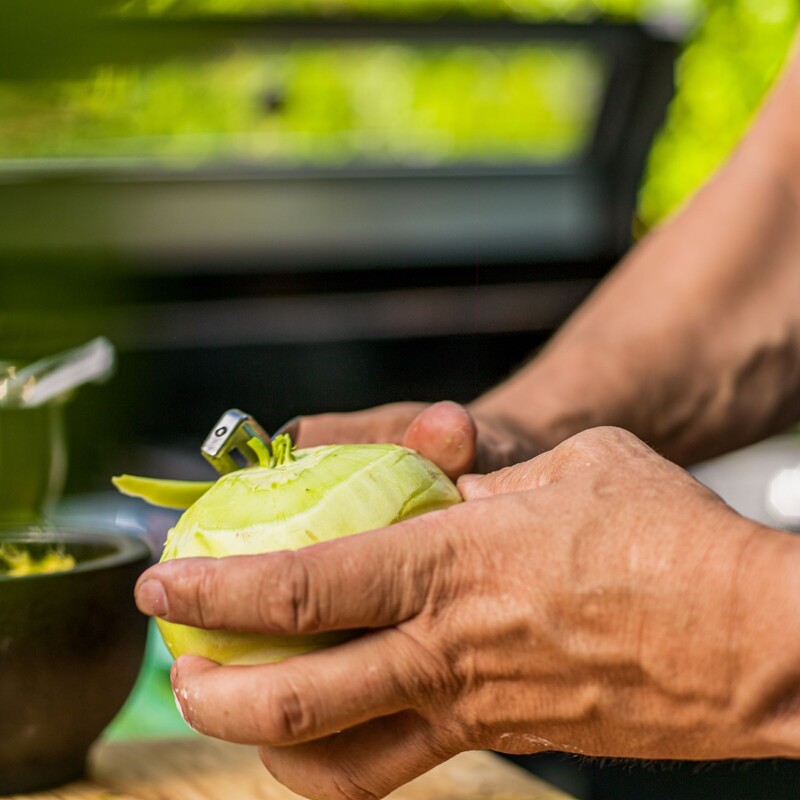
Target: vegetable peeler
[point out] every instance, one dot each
(229, 438)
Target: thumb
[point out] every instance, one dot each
(518, 478)
(444, 433)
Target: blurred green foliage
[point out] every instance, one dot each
(527, 9)
(392, 102)
(727, 68)
(722, 77)
(317, 104)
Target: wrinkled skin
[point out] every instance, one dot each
(457, 440)
(590, 600)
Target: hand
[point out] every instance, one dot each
(445, 433)
(593, 600)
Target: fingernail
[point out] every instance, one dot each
(173, 671)
(292, 427)
(180, 709)
(181, 697)
(470, 486)
(152, 598)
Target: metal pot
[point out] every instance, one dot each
(33, 454)
(33, 461)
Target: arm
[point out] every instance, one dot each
(693, 343)
(595, 600)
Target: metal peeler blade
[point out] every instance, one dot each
(231, 433)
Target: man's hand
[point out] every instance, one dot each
(594, 600)
(445, 433)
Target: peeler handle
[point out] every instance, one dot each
(232, 432)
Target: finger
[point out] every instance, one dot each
(364, 763)
(385, 423)
(368, 580)
(445, 434)
(309, 696)
(290, 428)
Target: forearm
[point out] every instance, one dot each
(693, 343)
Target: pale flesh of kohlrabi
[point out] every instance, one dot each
(296, 498)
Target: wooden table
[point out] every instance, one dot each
(205, 769)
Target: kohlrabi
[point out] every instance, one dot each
(292, 499)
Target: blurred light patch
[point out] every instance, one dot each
(317, 104)
(783, 497)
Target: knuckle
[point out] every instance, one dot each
(349, 785)
(207, 595)
(429, 675)
(290, 716)
(612, 435)
(289, 605)
(597, 441)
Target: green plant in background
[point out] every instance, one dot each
(318, 104)
(722, 78)
(405, 104)
(528, 9)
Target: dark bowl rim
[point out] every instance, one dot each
(129, 548)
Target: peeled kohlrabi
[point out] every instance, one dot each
(292, 499)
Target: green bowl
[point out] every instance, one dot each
(71, 645)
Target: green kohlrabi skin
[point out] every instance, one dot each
(295, 499)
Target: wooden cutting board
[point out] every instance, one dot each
(205, 769)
